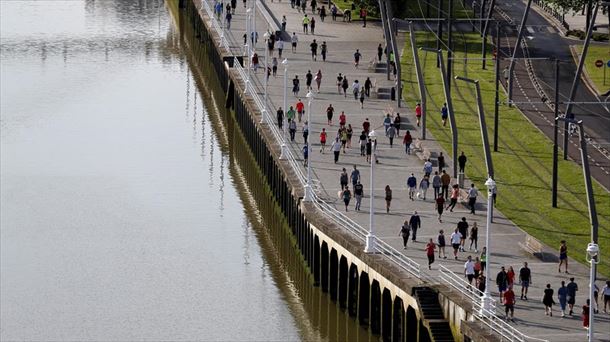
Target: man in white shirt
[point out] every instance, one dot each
(294, 40)
(456, 237)
(469, 269)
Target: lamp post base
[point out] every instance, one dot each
(370, 243)
(284, 152)
(308, 193)
(486, 301)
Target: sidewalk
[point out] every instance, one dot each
(395, 166)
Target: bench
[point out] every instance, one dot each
(532, 246)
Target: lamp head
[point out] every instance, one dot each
(266, 35)
(592, 250)
(285, 62)
(309, 95)
(373, 135)
(490, 183)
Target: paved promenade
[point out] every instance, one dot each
(395, 166)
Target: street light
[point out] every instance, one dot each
(370, 237)
(308, 190)
(592, 257)
(248, 46)
(266, 36)
(486, 299)
(284, 152)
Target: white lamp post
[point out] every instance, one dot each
(248, 45)
(592, 256)
(284, 152)
(491, 186)
(308, 190)
(254, 25)
(266, 36)
(222, 23)
(370, 237)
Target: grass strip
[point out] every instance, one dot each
(595, 74)
(523, 163)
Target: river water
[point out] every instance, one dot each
(124, 215)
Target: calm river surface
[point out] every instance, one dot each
(121, 215)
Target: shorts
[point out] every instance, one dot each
(470, 277)
(571, 300)
(501, 288)
(606, 299)
(525, 284)
(456, 246)
(509, 307)
(294, 44)
(563, 256)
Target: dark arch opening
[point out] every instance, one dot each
(398, 322)
(424, 334)
(354, 281)
(343, 281)
(316, 261)
(412, 325)
(364, 297)
(386, 315)
(324, 267)
(375, 308)
(334, 274)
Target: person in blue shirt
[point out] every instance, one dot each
(444, 114)
(305, 155)
(412, 185)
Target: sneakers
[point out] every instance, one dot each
(521, 297)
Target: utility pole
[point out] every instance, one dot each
(486, 29)
(420, 80)
(511, 66)
(497, 83)
(555, 129)
(481, 16)
(576, 81)
(449, 46)
(439, 30)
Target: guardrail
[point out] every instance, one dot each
(489, 318)
(357, 230)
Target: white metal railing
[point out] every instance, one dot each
(343, 220)
(489, 318)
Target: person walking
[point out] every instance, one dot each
(292, 129)
(357, 56)
(350, 133)
(343, 135)
(444, 114)
(290, 114)
(509, 304)
(300, 109)
(347, 196)
(405, 232)
(361, 97)
(391, 133)
(387, 122)
(284, 21)
(510, 274)
(430, 247)
(343, 179)
(388, 198)
(445, 181)
(296, 86)
(415, 224)
(472, 198)
(280, 47)
(274, 64)
(344, 85)
(324, 50)
(362, 142)
(322, 13)
(418, 113)
(312, 25)
(330, 111)
(358, 193)
(407, 140)
(355, 176)
(455, 194)
(412, 184)
(305, 21)
(436, 184)
(606, 294)
(314, 50)
(255, 62)
(333, 12)
(562, 295)
(318, 79)
(228, 18)
(339, 82)
(308, 79)
(483, 257)
(525, 279)
(462, 162)
(474, 237)
(463, 228)
(439, 203)
(469, 270)
(336, 148)
(572, 288)
(455, 242)
(502, 282)
(428, 167)
(548, 301)
(356, 89)
(363, 14)
(323, 140)
(280, 117)
(294, 40)
(424, 184)
(563, 255)
(367, 87)
(441, 161)
(305, 132)
(369, 150)
(440, 240)
(397, 120)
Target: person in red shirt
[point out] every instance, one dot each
(418, 113)
(300, 109)
(366, 125)
(430, 247)
(342, 119)
(585, 314)
(509, 304)
(322, 140)
(407, 140)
